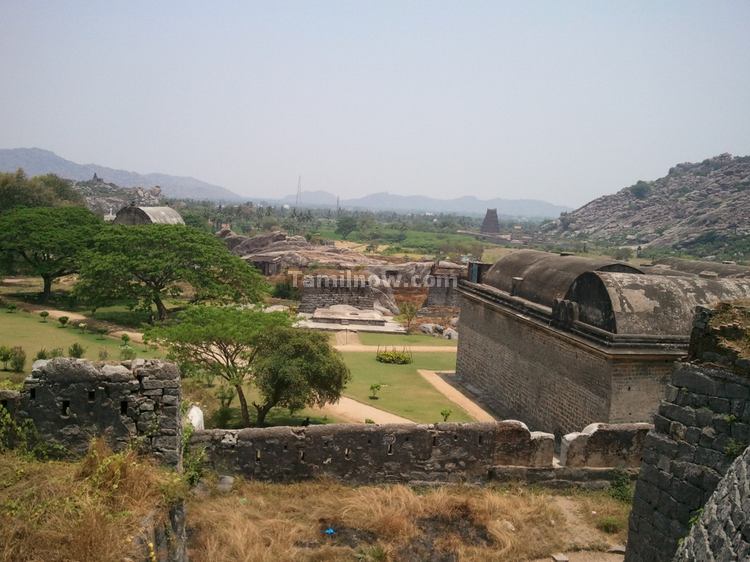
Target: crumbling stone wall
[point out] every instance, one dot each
(71, 401)
(700, 428)
(721, 532)
(444, 452)
(322, 292)
(604, 445)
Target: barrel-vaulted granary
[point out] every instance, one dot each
(561, 341)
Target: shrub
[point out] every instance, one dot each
(640, 190)
(374, 389)
(734, 448)
(368, 420)
(610, 525)
(446, 413)
(44, 314)
(82, 326)
(103, 354)
(5, 355)
(125, 339)
(76, 350)
(10, 308)
(394, 356)
(63, 320)
(102, 332)
(41, 354)
(285, 290)
(56, 352)
(621, 487)
(17, 359)
(127, 352)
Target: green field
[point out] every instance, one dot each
(27, 331)
(404, 392)
(401, 340)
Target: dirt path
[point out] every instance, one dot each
(54, 313)
(412, 348)
(351, 411)
(455, 396)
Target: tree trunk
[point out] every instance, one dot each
(47, 290)
(262, 412)
(243, 405)
(161, 310)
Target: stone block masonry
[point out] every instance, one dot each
(444, 452)
(701, 427)
(71, 401)
(323, 291)
(604, 445)
(723, 530)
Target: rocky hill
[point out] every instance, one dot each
(702, 208)
(35, 161)
(104, 198)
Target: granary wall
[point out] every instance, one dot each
(322, 292)
(530, 371)
(701, 427)
(71, 401)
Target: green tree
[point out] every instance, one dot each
(17, 190)
(49, 240)
(144, 265)
(346, 225)
(221, 341)
(408, 312)
(295, 368)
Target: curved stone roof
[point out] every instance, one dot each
(626, 303)
(543, 277)
(148, 215)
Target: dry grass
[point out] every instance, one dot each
(608, 515)
(90, 510)
(272, 522)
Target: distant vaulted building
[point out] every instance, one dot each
(490, 224)
(133, 215)
(562, 341)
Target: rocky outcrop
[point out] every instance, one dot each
(102, 197)
(293, 251)
(695, 207)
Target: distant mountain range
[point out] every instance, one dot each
(466, 205)
(36, 161)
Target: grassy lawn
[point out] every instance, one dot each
(400, 340)
(403, 390)
(27, 331)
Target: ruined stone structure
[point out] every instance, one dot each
(701, 427)
(721, 532)
(71, 401)
(442, 284)
(133, 215)
(490, 224)
(562, 341)
(603, 444)
(323, 291)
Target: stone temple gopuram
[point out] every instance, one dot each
(490, 224)
(562, 341)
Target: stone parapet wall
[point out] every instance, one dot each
(444, 452)
(723, 530)
(375, 453)
(701, 427)
(604, 445)
(72, 401)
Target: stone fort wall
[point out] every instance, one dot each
(71, 401)
(509, 361)
(701, 427)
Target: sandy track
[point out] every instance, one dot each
(351, 411)
(412, 348)
(455, 396)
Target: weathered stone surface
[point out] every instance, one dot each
(71, 401)
(605, 445)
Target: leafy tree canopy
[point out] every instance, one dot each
(295, 368)
(17, 190)
(219, 340)
(49, 240)
(346, 225)
(146, 264)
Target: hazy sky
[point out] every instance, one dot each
(561, 101)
